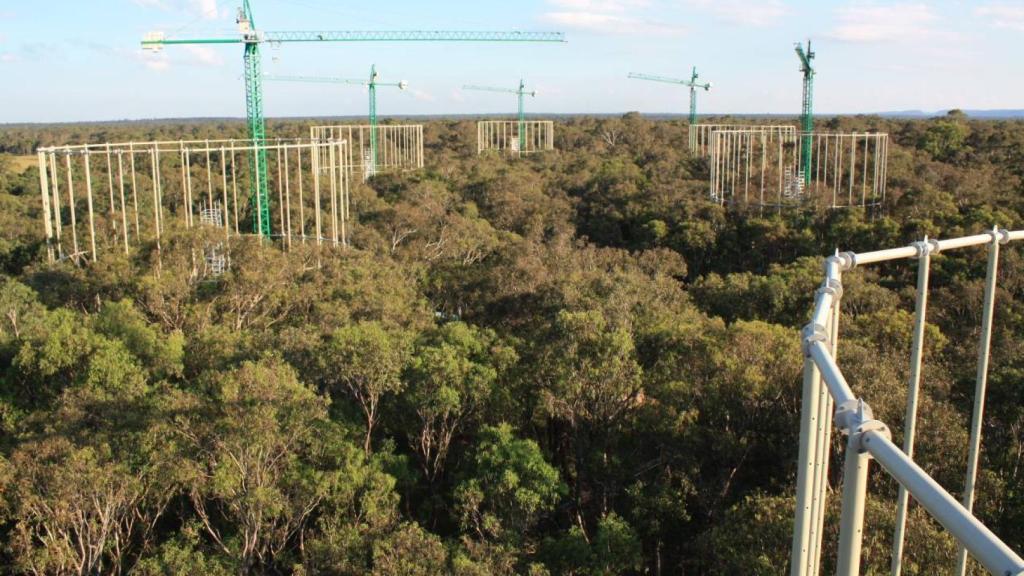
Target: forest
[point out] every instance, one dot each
(570, 363)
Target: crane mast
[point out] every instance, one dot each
(251, 38)
(807, 110)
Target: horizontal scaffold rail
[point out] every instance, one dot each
(99, 197)
(399, 146)
(700, 134)
(755, 168)
(503, 136)
(825, 388)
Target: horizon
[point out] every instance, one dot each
(980, 115)
(56, 56)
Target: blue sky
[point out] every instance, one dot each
(65, 60)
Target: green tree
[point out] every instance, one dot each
(451, 377)
(365, 361)
(509, 488)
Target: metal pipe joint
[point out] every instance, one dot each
(926, 247)
(813, 333)
(854, 419)
(846, 260)
(833, 287)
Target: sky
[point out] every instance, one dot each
(74, 60)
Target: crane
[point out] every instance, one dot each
(521, 93)
(692, 83)
(251, 38)
(371, 84)
(807, 113)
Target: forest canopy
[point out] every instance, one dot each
(570, 363)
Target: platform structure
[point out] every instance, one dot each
(750, 169)
(829, 400)
(503, 136)
(399, 146)
(700, 134)
(115, 196)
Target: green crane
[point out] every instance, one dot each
(807, 113)
(692, 83)
(521, 93)
(251, 39)
(371, 84)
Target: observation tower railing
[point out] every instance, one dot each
(825, 388)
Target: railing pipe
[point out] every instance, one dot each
(993, 554)
(833, 377)
(882, 255)
(954, 243)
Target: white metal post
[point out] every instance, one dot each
(800, 555)
(910, 422)
(45, 189)
(981, 383)
(851, 524)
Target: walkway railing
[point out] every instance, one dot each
(825, 388)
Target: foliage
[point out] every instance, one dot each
(569, 363)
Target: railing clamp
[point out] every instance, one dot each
(1001, 234)
(926, 247)
(833, 287)
(813, 333)
(855, 418)
(847, 260)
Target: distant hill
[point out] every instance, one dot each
(982, 114)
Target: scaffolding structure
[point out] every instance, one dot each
(825, 388)
(700, 134)
(114, 196)
(399, 147)
(503, 136)
(750, 169)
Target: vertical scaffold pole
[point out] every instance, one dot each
(92, 216)
(981, 383)
(45, 190)
(57, 216)
(800, 553)
(910, 423)
(851, 529)
(71, 206)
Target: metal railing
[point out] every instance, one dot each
(825, 388)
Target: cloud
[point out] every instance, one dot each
(1001, 15)
(864, 21)
(607, 17)
(457, 96)
(8, 58)
(753, 13)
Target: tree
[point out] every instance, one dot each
(259, 460)
(78, 509)
(509, 488)
(590, 370)
(451, 376)
(365, 361)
